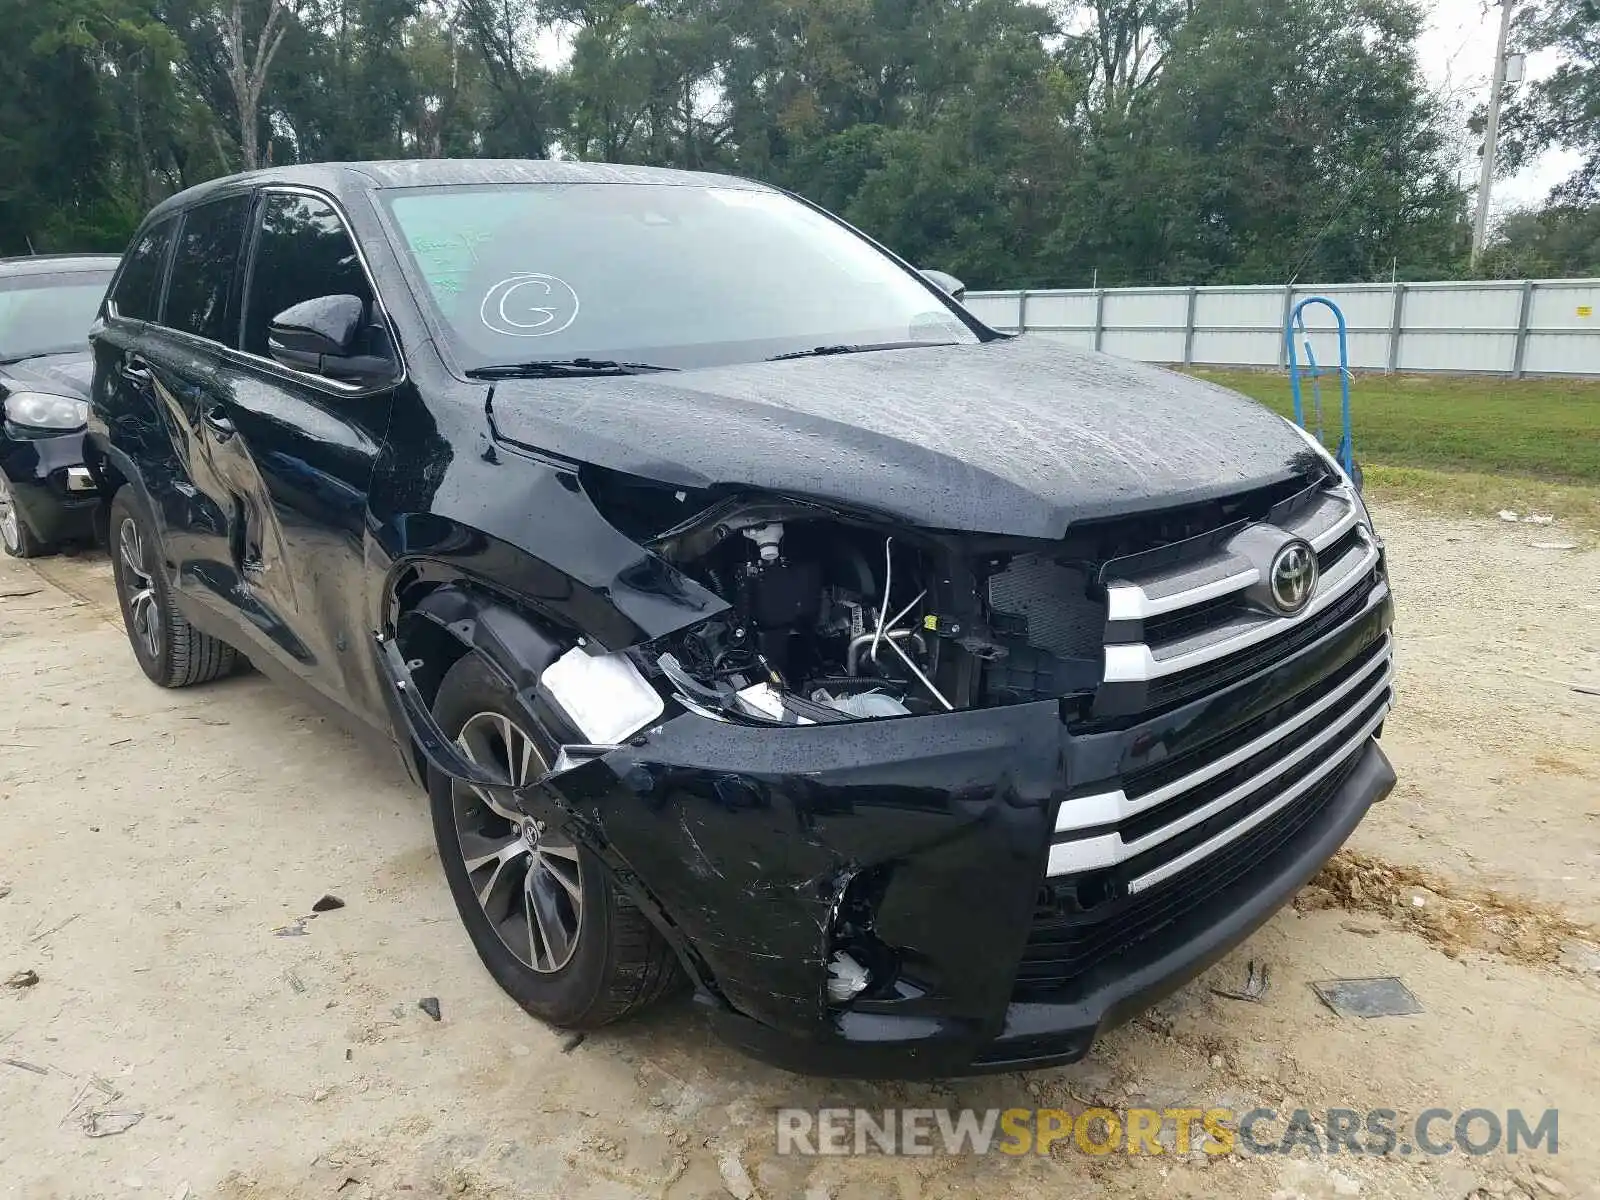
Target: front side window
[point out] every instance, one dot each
(303, 252)
(203, 268)
(48, 314)
(138, 292)
(679, 276)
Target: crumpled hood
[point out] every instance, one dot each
(60, 374)
(1018, 436)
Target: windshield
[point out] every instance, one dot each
(680, 276)
(48, 314)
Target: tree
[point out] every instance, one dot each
(520, 121)
(1282, 138)
(1558, 241)
(91, 128)
(248, 66)
(1564, 108)
(1121, 49)
(640, 87)
(1014, 143)
(971, 180)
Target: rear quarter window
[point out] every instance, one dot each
(138, 290)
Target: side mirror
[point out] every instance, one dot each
(320, 336)
(946, 283)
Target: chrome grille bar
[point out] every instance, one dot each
(1211, 845)
(1330, 519)
(1107, 808)
(1107, 850)
(1138, 662)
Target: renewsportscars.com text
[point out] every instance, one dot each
(1154, 1131)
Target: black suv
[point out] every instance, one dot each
(928, 699)
(47, 495)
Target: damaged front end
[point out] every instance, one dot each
(836, 615)
(849, 797)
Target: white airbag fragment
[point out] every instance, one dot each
(847, 978)
(865, 705)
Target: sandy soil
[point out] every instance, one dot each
(154, 841)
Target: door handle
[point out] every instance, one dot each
(218, 422)
(135, 370)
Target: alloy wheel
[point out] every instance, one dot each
(527, 877)
(10, 530)
(139, 589)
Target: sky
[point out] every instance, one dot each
(1457, 54)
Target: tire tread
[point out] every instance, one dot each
(643, 967)
(190, 656)
(197, 657)
(28, 543)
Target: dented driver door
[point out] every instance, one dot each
(297, 450)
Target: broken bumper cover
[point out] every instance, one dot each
(745, 844)
(1033, 1035)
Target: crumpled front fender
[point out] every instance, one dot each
(741, 841)
(748, 837)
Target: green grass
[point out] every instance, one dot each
(1540, 429)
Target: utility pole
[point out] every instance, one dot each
(1480, 230)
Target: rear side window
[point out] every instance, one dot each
(203, 269)
(303, 251)
(138, 292)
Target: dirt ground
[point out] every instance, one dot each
(153, 842)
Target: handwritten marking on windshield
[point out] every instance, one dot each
(529, 304)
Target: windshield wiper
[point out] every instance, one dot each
(825, 351)
(555, 368)
(16, 358)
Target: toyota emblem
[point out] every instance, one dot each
(1293, 577)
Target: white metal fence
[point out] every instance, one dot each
(1511, 327)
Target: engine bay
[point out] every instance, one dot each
(810, 634)
(830, 620)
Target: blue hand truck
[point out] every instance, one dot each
(1296, 330)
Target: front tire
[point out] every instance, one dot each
(171, 652)
(546, 920)
(18, 540)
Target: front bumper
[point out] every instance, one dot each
(748, 846)
(54, 494)
(1036, 1035)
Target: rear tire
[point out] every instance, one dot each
(171, 652)
(579, 954)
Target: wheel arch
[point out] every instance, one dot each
(436, 614)
(112, 470)
(432, 606)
